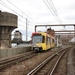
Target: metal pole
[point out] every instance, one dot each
(0, 44)
(57, 44)
(74, 33)
(26, 29)
(35, 28)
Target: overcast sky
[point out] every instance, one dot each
(37, 12)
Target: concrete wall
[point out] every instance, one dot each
(8, 19)
(8, 22)
(13, 51)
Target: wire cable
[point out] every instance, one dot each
(5, 5)
(21, 11)
(52, 9)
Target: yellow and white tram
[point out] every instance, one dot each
(42, 41)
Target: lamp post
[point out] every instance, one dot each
(26, 29)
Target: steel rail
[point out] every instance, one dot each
(14, 57)
(7, 62)
(43, 63)
(55, 65)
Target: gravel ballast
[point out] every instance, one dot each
(24, 67)
(71, 62)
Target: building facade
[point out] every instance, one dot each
(17, 36)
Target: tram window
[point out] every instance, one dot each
(43, 39)
(48, 39)
(52, 40)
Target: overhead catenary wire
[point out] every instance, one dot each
(24, 26)
(12, 10)
(52, 9)
(18, 14)
(21, 11)
(5, 5)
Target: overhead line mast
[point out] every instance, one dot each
(55, 25)
(26, 30)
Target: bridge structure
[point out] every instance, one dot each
(8, 22)
(69, 33)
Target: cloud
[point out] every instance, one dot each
(38, 11)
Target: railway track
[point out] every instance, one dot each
(15, 59)
(48, 66)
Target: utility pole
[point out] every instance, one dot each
(26, 29)
(74, 34)
(57, 42)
